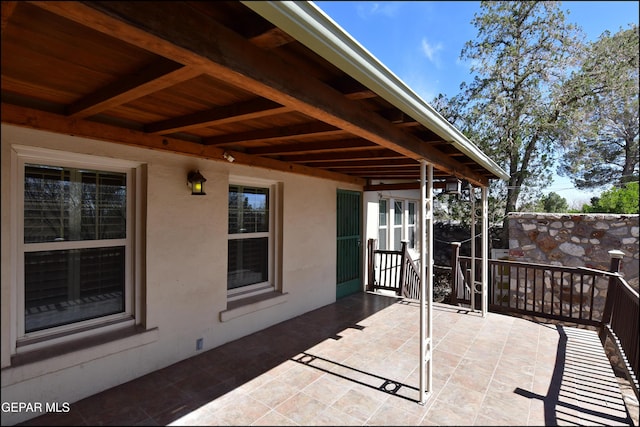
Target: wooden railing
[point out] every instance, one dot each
(620, 323)
(572, 294)
(580, 295)
(393, 271)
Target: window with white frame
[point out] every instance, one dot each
(383, 223)
(251, 239)
(75, 243)
(411, 224)
(396, 222)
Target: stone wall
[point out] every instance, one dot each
(575, 240)
(572, 240)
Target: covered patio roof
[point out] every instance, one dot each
(272, 84)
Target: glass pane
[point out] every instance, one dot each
(104, 213)
(63, 287)
(412, 213)
(382, 239)
(46, 204)
(397, 238)
(70, 204)
(248, 262)
(382, 209)
(248, 209)
(397, 214)
(412, 237)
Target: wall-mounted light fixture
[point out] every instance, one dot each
(196, 181)
(452, 186)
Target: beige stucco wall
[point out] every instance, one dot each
(186, 268)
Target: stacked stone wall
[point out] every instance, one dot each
(572, 240)
(575, 240)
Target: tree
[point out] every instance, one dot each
(621, 199)
(553, 203)
(519, 57)
(601, 142)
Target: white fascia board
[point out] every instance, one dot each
(308, 24)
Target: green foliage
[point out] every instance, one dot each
(521, 50)
(600, 126)
(457, 208)
(620, 200)
(538, 87)
(553, 203)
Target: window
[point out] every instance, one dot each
(251, 240)
(398, 224)
(75, 242)
(403, 224)
(383, 223)
(411, 224)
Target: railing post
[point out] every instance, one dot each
(403, 265)
(616, 264)
(371, 247)
(455, 263)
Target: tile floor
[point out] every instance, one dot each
(356, 362)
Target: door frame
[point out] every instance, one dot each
(354, 283)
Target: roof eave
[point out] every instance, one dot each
(316, 30)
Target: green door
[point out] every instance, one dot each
(349, 266)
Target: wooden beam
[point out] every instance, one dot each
(276, 134)
(399, 186)
(366, 164)
(271, 38)
(7, 10)
(308, 147)
(382, 173)
(351, 88)
(167, 29)
(34, 119)
(154, 77)
(342, 156)
(252, 109)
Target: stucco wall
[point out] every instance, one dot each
(186, 266)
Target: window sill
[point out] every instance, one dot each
(56, 357)
(248, 305)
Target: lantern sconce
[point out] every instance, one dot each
(452, 186)
(196, 181)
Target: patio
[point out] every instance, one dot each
(355, 362)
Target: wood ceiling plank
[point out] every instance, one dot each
(364, 164)
(154, 77)
(380, 153)
(308, 147)
(224, 54)
(271, 39)
(34, 119)
(252, 109)
(7, 10)
(400, 186)
(276, 134)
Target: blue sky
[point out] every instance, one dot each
(421, 41)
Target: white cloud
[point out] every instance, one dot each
(422, 84)
(431, 51)
(387, 8)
